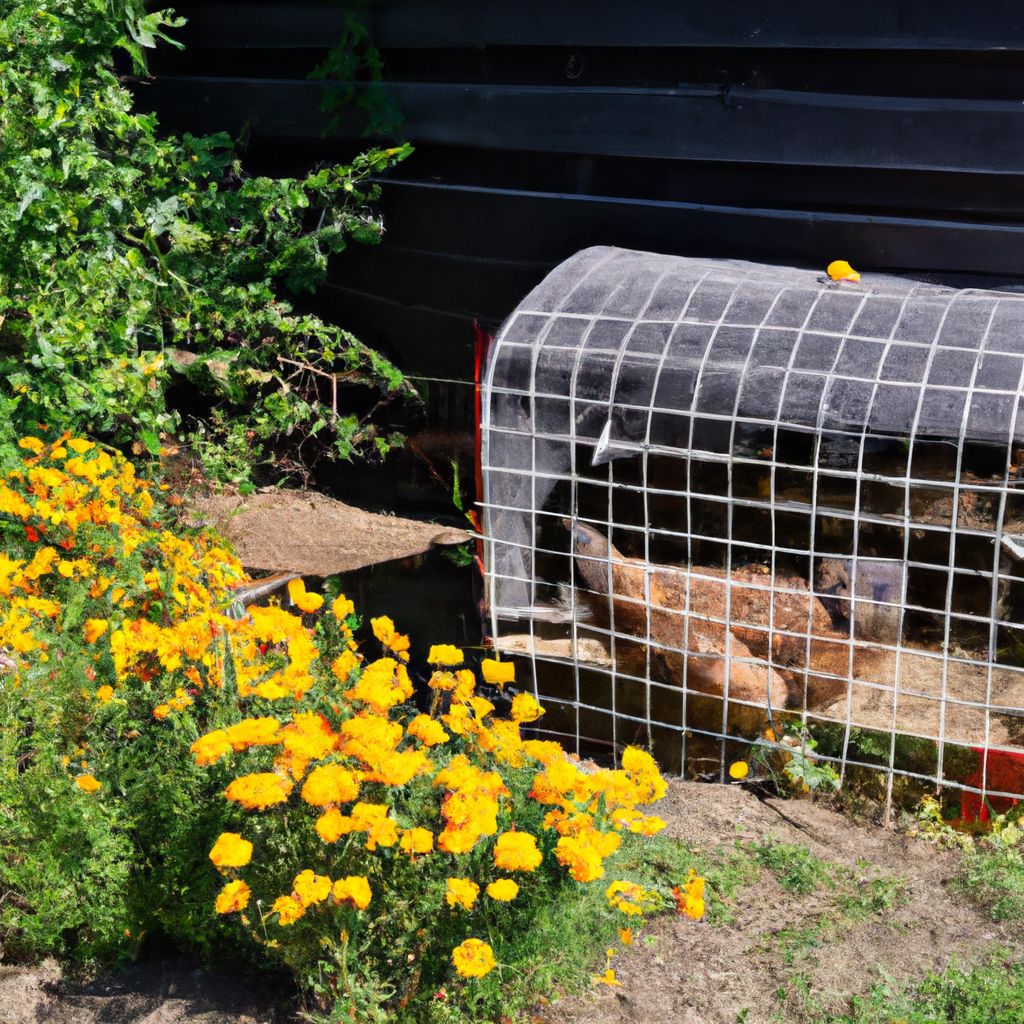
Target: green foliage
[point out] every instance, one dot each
(993, 874)
(131, 262)
(990, 994)
(796, 868)
(354, 73)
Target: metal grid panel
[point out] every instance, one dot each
(719, 494)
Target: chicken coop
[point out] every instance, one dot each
(727, 504)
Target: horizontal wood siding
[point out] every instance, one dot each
(887, 133)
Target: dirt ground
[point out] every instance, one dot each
(161, 992)
(786, 957)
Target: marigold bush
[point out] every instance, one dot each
(221, 772)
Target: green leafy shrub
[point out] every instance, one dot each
(130, 261)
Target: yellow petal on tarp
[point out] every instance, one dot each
(840, 270)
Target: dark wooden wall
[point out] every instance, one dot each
(886, 132)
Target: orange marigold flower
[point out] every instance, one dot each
(231, 851)
(94, 629)
(428, 731)
(690, 896)
(416, 840)
(302, 600)
(353, 891)
(234, 896)
(517, 851)
(211, 747)
(259, 791)
(105, 694)
(161, 711)
(525, 708)
(461, 892)
(504, 890)
(88, 783)
(253, 732)
(311, 888)
(332, 825)
(330, 784)
(445, 654)
(473, 958)
(498, 673)
(626, 936)
(288, 909)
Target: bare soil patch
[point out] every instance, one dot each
(311, 534)
(161, 992)
(788, 956)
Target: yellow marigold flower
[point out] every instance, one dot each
(330, 784)
(105, 694)
(481, 706)
(461, 892)
(259, 791)
(608, 978)
(445, 654)
(231, 851)
(161, 711)
(383, 684)
(428, 731)
(94, 629)
(739, 770)
(302, 600)
(643, 772)
(517, 851)
(77, 444)
(498, 673)
(288, 909)
(545, 751)
(342, 608)
(253, 732)
(473, 958)
(332, 825)
(504, 890)
(31, 444)
(384, 631)
(66, 568)
(630, 898)
(345, 664)
(88, 783)
(353, 891)
(580, 856)
(234, 896)
(211, 747)
(416, 840)
(311, 888)
(525, 708)
(457, 840)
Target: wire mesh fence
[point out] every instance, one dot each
(728, 504)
